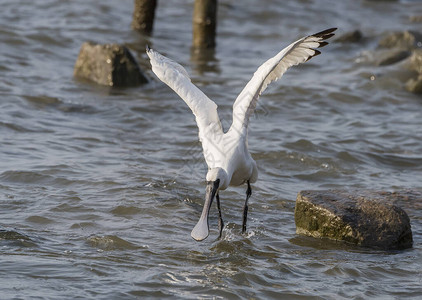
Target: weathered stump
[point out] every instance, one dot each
(204, 23)
(368, 219)
(143, 15)
(109, 64)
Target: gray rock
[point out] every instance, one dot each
(350, 37)
(109, 64)
(392, 56)
(406, 39)
(369, 219)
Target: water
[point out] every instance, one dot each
(101, 187)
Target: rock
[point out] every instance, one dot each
(415, 85)
(392, 56)
(369, 219)
(406, 39)
(109, 64)
(350, 37)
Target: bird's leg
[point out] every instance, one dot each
(220, 218)
(245, 207)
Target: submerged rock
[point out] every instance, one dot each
(109, 64)
(15, 238)
(12, 235)
(368, 219)
(110, 242)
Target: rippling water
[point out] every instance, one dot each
(100, 188)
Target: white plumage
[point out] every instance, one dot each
(227, 156)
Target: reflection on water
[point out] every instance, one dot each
(101, 187)
(204, 61)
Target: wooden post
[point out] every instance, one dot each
(143, 15)
(204, 23)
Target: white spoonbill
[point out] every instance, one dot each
(226, 154)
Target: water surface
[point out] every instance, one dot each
(100, 187)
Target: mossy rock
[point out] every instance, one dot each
(368, 219)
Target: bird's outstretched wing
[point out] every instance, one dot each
(177, 78)
(298, 52)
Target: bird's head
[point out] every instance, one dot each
(219, 174)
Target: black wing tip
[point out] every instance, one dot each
(147, 48)
(325, 34)
(315, 54)
(322, 44)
